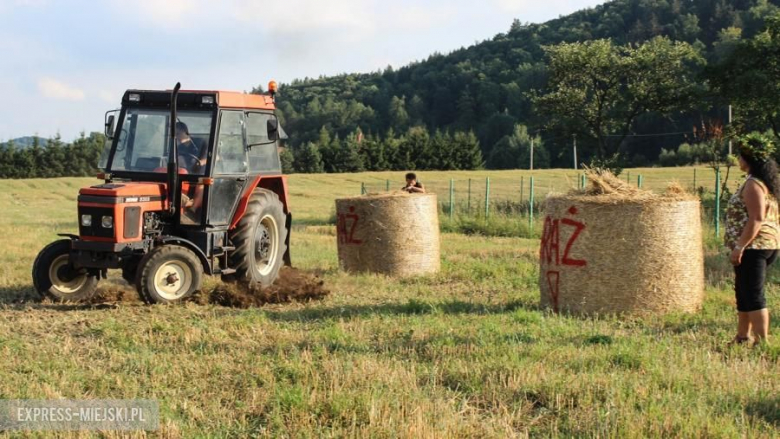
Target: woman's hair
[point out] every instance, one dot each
(766, 171)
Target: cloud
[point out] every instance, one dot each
(109, 97)
(417, 17)
(295, 16)
(54, 89)
(289, 17)
(533, 13)
(168, 14)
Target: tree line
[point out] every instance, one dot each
(416, 149)
(56, 159)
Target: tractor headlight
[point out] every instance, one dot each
(108, 221)
(86, 220)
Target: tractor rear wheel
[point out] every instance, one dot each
(54, 276)
(259, 239)
(168, 274)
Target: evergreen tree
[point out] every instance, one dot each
(54, 157)
(390, 149)
(37, 170)
(24, 163)
(399, 118)
(413, 149)
(349, 158)
(330, 154)
(504, 154)
(373, 151)
(288, 161)
(7, 159)
(308, 159)
(443, 150)
(468, 152)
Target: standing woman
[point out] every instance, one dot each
(753, 233)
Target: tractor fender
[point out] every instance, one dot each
(190, 245)
(274, 183)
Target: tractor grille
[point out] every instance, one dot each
(96, 229)
(132, 221)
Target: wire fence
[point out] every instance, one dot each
(481, 198)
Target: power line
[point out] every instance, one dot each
(633, 135)
(650, 135)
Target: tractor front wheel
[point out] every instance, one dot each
(55, 277)
(259, 238)
(168, 274)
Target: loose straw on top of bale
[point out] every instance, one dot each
(614, 248)
(395, 233)
(605, 186)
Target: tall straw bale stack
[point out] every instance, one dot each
(613, 248)
(395, 234)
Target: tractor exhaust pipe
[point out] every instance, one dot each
(174, 195)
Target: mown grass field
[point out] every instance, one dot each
(465, 353)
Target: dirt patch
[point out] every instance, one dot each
(292, 286)
(114, 293)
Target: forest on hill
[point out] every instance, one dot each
(488, 90)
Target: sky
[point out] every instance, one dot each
(64, 63)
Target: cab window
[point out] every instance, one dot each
(263, 153)
(231, 154)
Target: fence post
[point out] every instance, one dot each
(362, 188)
(628, 177)
(531, 209)
(387, 185)
(468, 203)
(717, 202)
(582, 181)
(487, 197)
(639, 181)
(694, 180)
(452, 196)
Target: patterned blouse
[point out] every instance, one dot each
(768, 237)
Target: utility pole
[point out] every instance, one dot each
(532, 154)
(729, 125)
(575, 150)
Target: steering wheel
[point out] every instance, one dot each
(195, 160)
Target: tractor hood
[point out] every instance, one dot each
(128, 192)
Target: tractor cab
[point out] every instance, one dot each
(192, 185)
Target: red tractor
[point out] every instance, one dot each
(193, 185)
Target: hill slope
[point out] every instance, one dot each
(483, 87)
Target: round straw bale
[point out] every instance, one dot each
(395, 234)
(622, 254)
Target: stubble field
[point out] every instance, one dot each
(465, 353)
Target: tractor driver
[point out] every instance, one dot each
(193, 160)
(191, 157)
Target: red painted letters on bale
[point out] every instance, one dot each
(551, 248)
(345, 227)
(551, 237)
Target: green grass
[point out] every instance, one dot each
(464, 353)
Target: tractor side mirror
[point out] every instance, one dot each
(273, 129)
(110, 125)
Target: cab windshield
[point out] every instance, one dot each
(144, 139)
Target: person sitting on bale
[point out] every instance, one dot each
(753, 234)
(412, 185)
